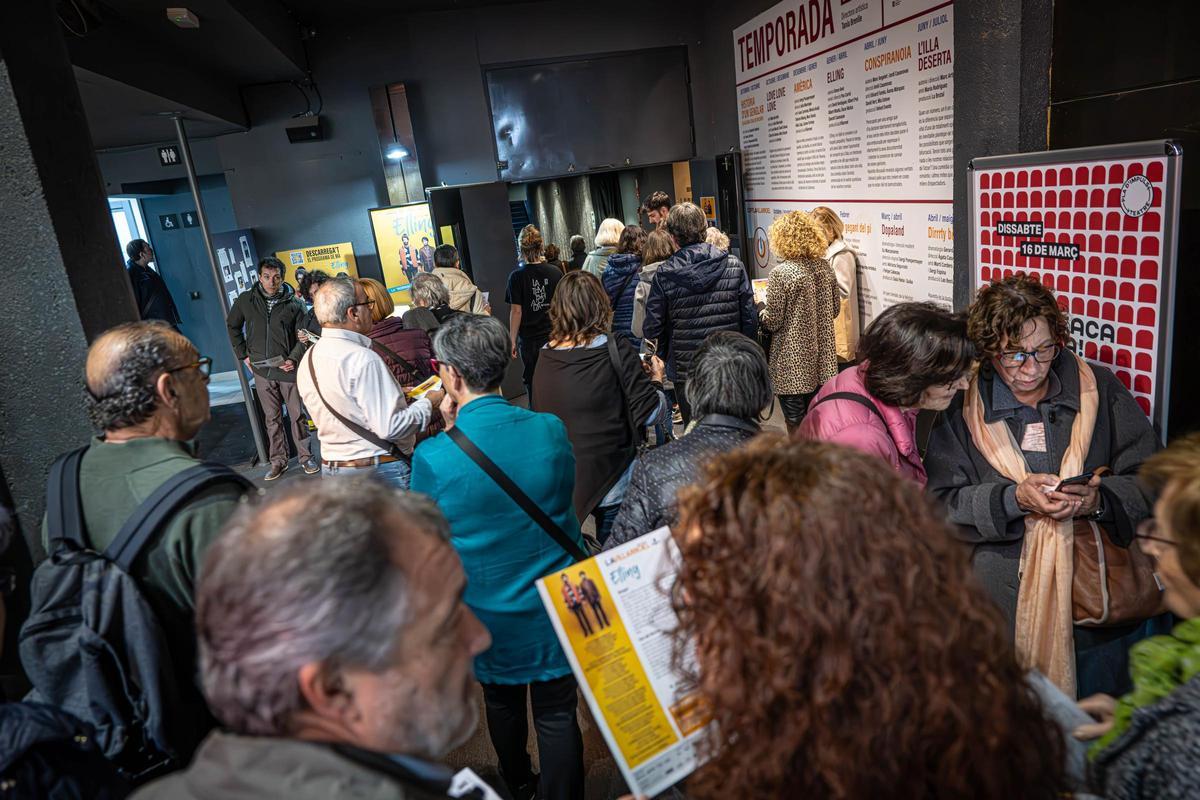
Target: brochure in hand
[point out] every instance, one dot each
(760, 289)
(418, 391)
(614, 620)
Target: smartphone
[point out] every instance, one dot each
(1077, 480)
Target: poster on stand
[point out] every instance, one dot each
(850, 105)
(332, 259)
(237, 256)
(1098, 225)
(405, 242)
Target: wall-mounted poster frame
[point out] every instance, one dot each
(405, 240)
(1100, 227)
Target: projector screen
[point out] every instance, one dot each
(593, 113)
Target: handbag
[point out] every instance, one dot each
(519, 497)
(1112, 585)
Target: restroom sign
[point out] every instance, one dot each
(1098, 227)
(168, 156)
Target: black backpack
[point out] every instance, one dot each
(92, 644)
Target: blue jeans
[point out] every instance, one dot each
(393, 473)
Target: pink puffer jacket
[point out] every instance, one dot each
(850, 423)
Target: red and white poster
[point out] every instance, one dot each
(850, 104)
(1099, 233)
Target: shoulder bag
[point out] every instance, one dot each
(391, 448)
(519, 497)
(1113, 584)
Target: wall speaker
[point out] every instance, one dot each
(729, 195)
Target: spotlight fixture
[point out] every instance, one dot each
(396, 153)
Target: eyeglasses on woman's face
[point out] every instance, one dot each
(1014, 359)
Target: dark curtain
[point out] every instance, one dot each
(562, 208)
(606, 196)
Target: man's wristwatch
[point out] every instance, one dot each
(1099, 512)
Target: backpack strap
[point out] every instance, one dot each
(64, 505)
(856, 398)
(519, 497)
(159, 506)
(615, 358)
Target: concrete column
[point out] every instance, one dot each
(64, 280)
(1001, 96)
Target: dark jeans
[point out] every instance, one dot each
(529, 350)
(560, 744)
(685, 408)
(274, 395)
(604, 517)
(795, 406)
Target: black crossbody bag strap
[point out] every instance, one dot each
(519, 497)
(391, 448)
(387, 352)
(854, 397)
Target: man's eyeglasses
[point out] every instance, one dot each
(1148, 530)
(1043, 355)
(364, 303)
(204, 364)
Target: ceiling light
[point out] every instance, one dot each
(183, 17)
(396, 153)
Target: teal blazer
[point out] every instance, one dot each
(503, 550)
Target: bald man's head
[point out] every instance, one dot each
(123, 365)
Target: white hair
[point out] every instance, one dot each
(609, 232)
(333, 299)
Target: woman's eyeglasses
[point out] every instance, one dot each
(1148, 530)
(1042, 355)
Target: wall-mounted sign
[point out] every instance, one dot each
(405, 242)
(169, 222)
(190, 220)
(709, 204)
(238, 259)
(854, 110)
(333, 259)
(1097, 226)
(168, 156)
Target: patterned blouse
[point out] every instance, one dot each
(802, 302)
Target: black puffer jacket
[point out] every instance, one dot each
(261, 334)
(660, 474)
(697, 291)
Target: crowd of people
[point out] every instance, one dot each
(877, 607)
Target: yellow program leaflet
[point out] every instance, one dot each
(614, 622)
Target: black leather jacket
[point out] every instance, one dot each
(659, 474)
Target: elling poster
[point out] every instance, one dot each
(334, 259)
(405, 242)
(850, 105)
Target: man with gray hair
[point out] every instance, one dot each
(147, 394)
(363, 421)
(336, 649)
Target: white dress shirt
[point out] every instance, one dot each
(357, 382)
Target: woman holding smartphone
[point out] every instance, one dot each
(1035, 414)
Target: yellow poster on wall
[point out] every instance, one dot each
(332, 259)
(405, 242)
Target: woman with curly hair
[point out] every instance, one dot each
(802, 302)
(844, 658)
(1036, 414)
